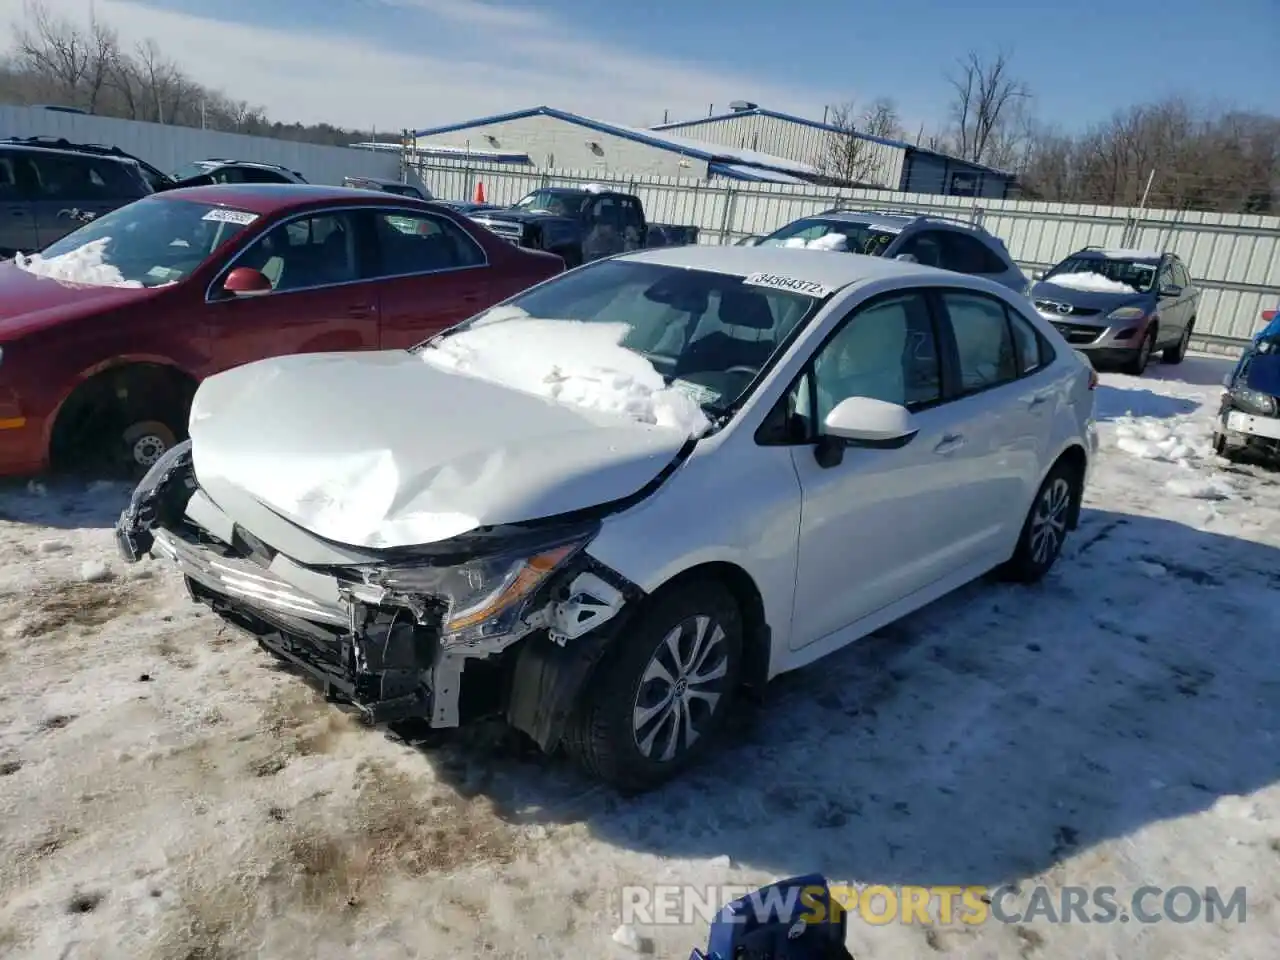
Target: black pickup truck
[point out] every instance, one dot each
(581, 224)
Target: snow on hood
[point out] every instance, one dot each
(85, 265)
(1094, 282)
(378, 449)
(571, 362)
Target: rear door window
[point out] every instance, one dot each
(410, 242)
(966, 254)
(83, 179)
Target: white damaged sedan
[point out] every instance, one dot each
(604, 507)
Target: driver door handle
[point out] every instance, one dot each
(1038, 399)
(949, 444)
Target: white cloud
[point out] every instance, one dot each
(518, 58)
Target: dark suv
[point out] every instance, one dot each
(1120, 306)
(46, 192)
(949, 244)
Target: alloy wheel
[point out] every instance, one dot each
(1049, 522)
(147, 449)
(680, 688)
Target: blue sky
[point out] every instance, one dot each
(397, 63)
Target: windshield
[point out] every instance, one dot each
(1104, 274)
(661, 344)
(844, 235)
(149, 243)
(192, 170)
(561, 203)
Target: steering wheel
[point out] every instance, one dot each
(750, 371)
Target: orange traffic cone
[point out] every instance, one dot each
(479, 191)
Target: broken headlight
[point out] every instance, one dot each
(1253, 401)
(483, 597)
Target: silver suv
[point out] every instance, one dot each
(933, 241)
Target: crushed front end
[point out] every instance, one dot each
(1248, 419)
(391, 632)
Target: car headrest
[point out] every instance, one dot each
(745, 308)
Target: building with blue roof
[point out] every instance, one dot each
(748, 144)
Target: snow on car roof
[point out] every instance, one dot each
(1122, 254)
(807, 266)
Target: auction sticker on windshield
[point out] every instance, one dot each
(221, 215)
(794, 284)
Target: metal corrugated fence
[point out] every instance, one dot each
(1234, 258)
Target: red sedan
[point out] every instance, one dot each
(105, 334)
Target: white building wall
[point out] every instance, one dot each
(169, 147)
(785, 138)
(552, 142)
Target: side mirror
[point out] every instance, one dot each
(905, 258)
(864, 422)
(1226, 382)
(1038, 275)
(1171, 291)
(246, 282)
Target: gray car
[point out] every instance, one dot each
(956, 245)
(1120, 306)
(46, 193)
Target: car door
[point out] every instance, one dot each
(321, 298)
(1002, 400)
(73, 189)
(880, 524)
(431, 274)
(17, 213)
(1190, 295)
(1173, 312)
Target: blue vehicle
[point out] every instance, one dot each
(1249, 417)
(1120, 306)
(794, 919)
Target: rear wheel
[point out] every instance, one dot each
(1175, 354)
(661, 697)
(1045, 529)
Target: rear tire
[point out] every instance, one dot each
(1175, 354)
(673, 673)
(1045, 529)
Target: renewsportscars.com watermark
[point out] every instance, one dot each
(683, 905)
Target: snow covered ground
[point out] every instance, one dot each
(166, 794)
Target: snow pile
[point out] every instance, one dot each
(571, 362)
(1175, 441)
(831, 241)
(828, 241)
(85, 265)
(1200, 487)
(1095, 282)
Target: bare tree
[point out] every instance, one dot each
(986, 97)
(847, 155)
(76, 64)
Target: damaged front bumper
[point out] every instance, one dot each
(366, 633)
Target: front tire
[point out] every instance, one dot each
(1138, 365)
(661, 696)
(142, 443)
(1045, 529)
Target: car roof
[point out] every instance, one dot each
(63, 152)
(831, 269)
(1143, 256)
(269, 198)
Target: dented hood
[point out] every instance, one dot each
(381, 449)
